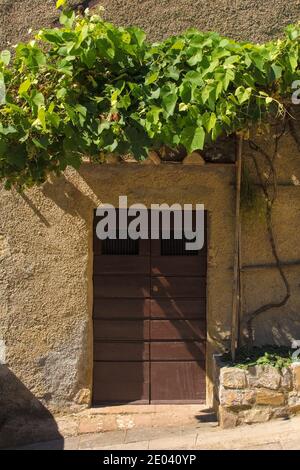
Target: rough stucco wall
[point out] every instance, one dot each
(255, 20)
(262, 286)
(44, 296)
(45, 266)
(18, 16)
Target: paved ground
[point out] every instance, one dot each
(127, 417)
(274, 435)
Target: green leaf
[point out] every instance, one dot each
(153, 114)
(183, 107)
(17, 157)
(2, 90)
(41, 143)
(105, 48)
(277, 70)
(195, 59)
(155, 94)
(61, 93)
(67, 18)
(169, 101)
(219, 89)
(258, 61)
(293, 62)
(7, 130)
(198, 139)
(39, 58)
(152, 78)
(61, 3)
(193, 138)
(89, 57)
(178, 45)
(194, 77)
(205, 93)
(172, 72)
(42, 118)
(39, 99)
(24, 87)
(124, 101)
(229, 77)
(243, 94)
(211, 122)
(139, 35)
(54, 119)
(5, 57)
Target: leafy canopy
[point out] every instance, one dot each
(89, 88)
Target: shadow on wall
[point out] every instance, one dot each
(23, 418)
(69, 198)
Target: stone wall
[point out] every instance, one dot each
(257, 394)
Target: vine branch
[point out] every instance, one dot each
(270, 194)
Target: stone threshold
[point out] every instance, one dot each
(125, 417)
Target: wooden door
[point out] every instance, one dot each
(149, 322)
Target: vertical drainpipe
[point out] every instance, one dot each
(237, 252)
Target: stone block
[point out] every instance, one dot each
(257, 415)
(236, 398)
(264, 376)
(67, 426)
(129, 158)
(227, 419)
(281, 412)
(269, 397)
(233, 377)
(286, 379)
(83, 397)
(193, 158)
(296, 376)
(153, 159)
(294, 402)
(90, 425)
(112, 158)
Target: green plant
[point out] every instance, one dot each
(90, 87)
(276, 356)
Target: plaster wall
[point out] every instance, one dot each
(46, 267)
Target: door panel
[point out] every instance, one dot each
(175, 287)
(121, 382)
(175, 248)
(138, 351)
(177, 381)
(118, 286)
(177, 330)
(121, 265)
(178, 266)
(178, 351)
(125, 309)
(178, 308)
(121, 330)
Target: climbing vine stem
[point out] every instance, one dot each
(269, 190)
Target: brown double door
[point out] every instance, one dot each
(149, 322)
